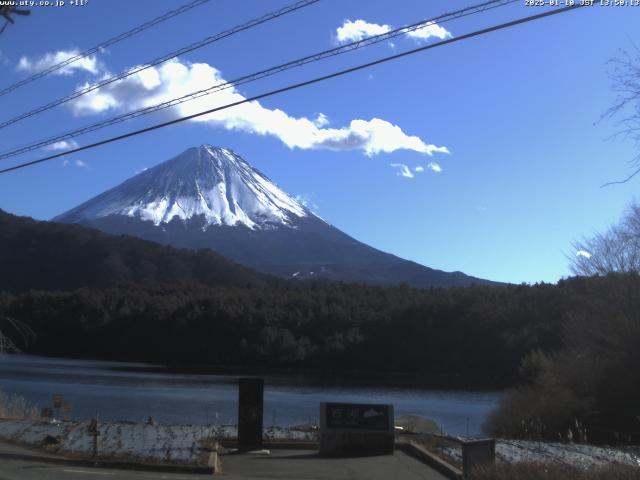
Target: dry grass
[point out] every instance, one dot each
(538, 471)
(16, 407)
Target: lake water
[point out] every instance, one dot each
(124, 391)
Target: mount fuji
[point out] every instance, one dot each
(209, 197)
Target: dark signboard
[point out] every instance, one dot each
(351, 416)
(250, 403)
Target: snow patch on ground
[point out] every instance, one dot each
(186, 443)
(182, 444)
(513, 451)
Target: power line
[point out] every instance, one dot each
(441, 19)
(261, 74)
(194, 46)
(295, 86)
(105, 44)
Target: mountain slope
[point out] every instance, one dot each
(54, 256)
(209, 197)
(212, 183)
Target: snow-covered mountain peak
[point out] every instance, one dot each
(211, 182)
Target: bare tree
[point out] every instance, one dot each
(615, 250)
(625, 79)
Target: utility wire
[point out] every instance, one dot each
(502, 26)
(189, 48)
(103, 45)
(441, 19)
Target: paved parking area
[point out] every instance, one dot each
(308, 465)
(279, 464)
(30, 470)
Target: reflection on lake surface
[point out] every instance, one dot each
(127, 391)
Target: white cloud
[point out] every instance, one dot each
(77, 163)
(62, 145)
(434, 167)
(33, 65)
(354, 31)
(321, 120)
(583, 253)
(351, 31)
(403, 170)
(429, 30)
(175, 79)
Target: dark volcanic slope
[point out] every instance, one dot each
(311, 250)
(46, 255)
(209, 197)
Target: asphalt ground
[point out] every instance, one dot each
(308, 465)
(281, 464)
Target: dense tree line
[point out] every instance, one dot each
(474, 336)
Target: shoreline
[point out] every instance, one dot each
(303, 376)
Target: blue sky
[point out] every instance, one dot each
(517, 111)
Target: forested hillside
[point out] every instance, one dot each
(53, 256)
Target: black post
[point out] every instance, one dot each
(94, 431)
(250, 402)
